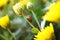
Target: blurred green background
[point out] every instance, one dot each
(18, 25)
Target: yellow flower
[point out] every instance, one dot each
(19, 7)
(3, 2)
(23, 3)
(53, 14)
(45, 34)
(4, 21)
(16, 8)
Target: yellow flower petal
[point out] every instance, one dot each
(19, 7)
(3, 2)
(16, 8)
(4, 21)
(53, 14)
(45, 34)
(24, 3)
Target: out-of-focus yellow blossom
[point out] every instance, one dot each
(3, 2)
(18, 7)
(23, 3)
(4, 21)
(53, 14)
(45, 34)
(26, 3)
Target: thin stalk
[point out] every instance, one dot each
(29, 22)
(26, 19)
(36, 19)
(3, 37)
(11, 34)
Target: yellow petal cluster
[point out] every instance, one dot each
(45, 34)
(20, 5)
(53, 14)
(4, 21)
(16, 8)
(24, 3)
(3, 2)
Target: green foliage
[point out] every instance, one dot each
(18, 25)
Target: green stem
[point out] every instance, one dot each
(29, 22)
(26, 19)
(36, 19)
(3, 37)
(11, 34)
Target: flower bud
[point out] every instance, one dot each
(29, 6)
(35, 30)
(18, 9)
